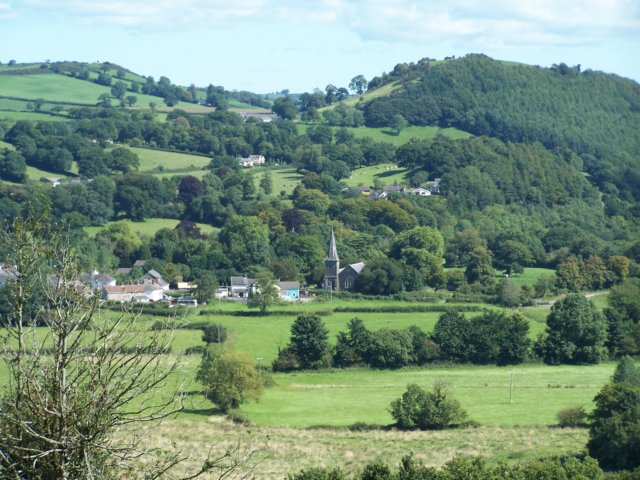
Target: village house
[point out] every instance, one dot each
(289, 291)
(421, 192)
(241, 286)
(153, 277)
(251, 161)
(97, 281)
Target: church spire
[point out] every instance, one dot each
(333, 250)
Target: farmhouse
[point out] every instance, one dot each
(421, 192)
(153, 277)
(251, 160)
(97, 281)
(240, 286)
(336, 278)
(289, 291)
(133, 293)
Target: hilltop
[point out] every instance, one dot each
(48, 91)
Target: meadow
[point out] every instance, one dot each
(159, 160)
(340, 417)
(388, 135)
(284, 178)
(387, 173)
(150, 226)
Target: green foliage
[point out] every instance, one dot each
(230, 378)
(419, 409)
(623, 318)
(493, 337)
(614, 436)
(215, 333)
(572, 417)
(309, 341)
(380, 277)
(464, 467)
(627, 372)
(575, 333)
(266, 292)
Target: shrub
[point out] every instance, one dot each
(230, 379)
(419, 409)
(572, 417)
(287, 361)
(215, 333)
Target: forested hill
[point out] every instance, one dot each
(595, 114)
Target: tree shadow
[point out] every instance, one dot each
(391, 133)
(204, 411)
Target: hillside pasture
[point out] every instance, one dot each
(344, 397)
(150, 226)
(285, 179)
(387, 173)
(388, 135)
(280, 451)
(161, 161)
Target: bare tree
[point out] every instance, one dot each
(84, 387)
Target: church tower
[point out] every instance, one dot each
(332, 266)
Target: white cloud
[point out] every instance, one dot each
(490, 22)
(147, 13)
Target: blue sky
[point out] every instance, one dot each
(269, 45)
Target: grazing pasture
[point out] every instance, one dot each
(158, 160)
(387, 173)
(150, 226)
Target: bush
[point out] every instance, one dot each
(287, 361)
(419, 409)
(572, 417)
(215, 333)
(230, 379)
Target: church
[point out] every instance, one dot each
(336, 278)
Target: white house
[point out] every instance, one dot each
(421, 192)
(251, 160)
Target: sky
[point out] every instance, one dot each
(269, 45)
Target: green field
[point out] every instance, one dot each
(62, 89)
(161, 161)
(387, 173)
(367, 96)
(344, 397)
(150, 226)
(391, 136)
(529, 276)
(285, 179)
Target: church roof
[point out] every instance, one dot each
(333, 250)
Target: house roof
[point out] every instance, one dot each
(356, 267)
(98, 277)
(241, 281)
(153, 274)
(289, 285)
(123, 271)
(140, 263)
(125, 289)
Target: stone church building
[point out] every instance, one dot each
(336, 278)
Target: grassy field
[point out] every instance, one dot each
(6, 145)
(279, 451)
(63, 89)
(366, 96)
(391, 136)
(36, 174)
(342, 397)
(387, 173)
(158, 160)
(285, 179)
(150, 226)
